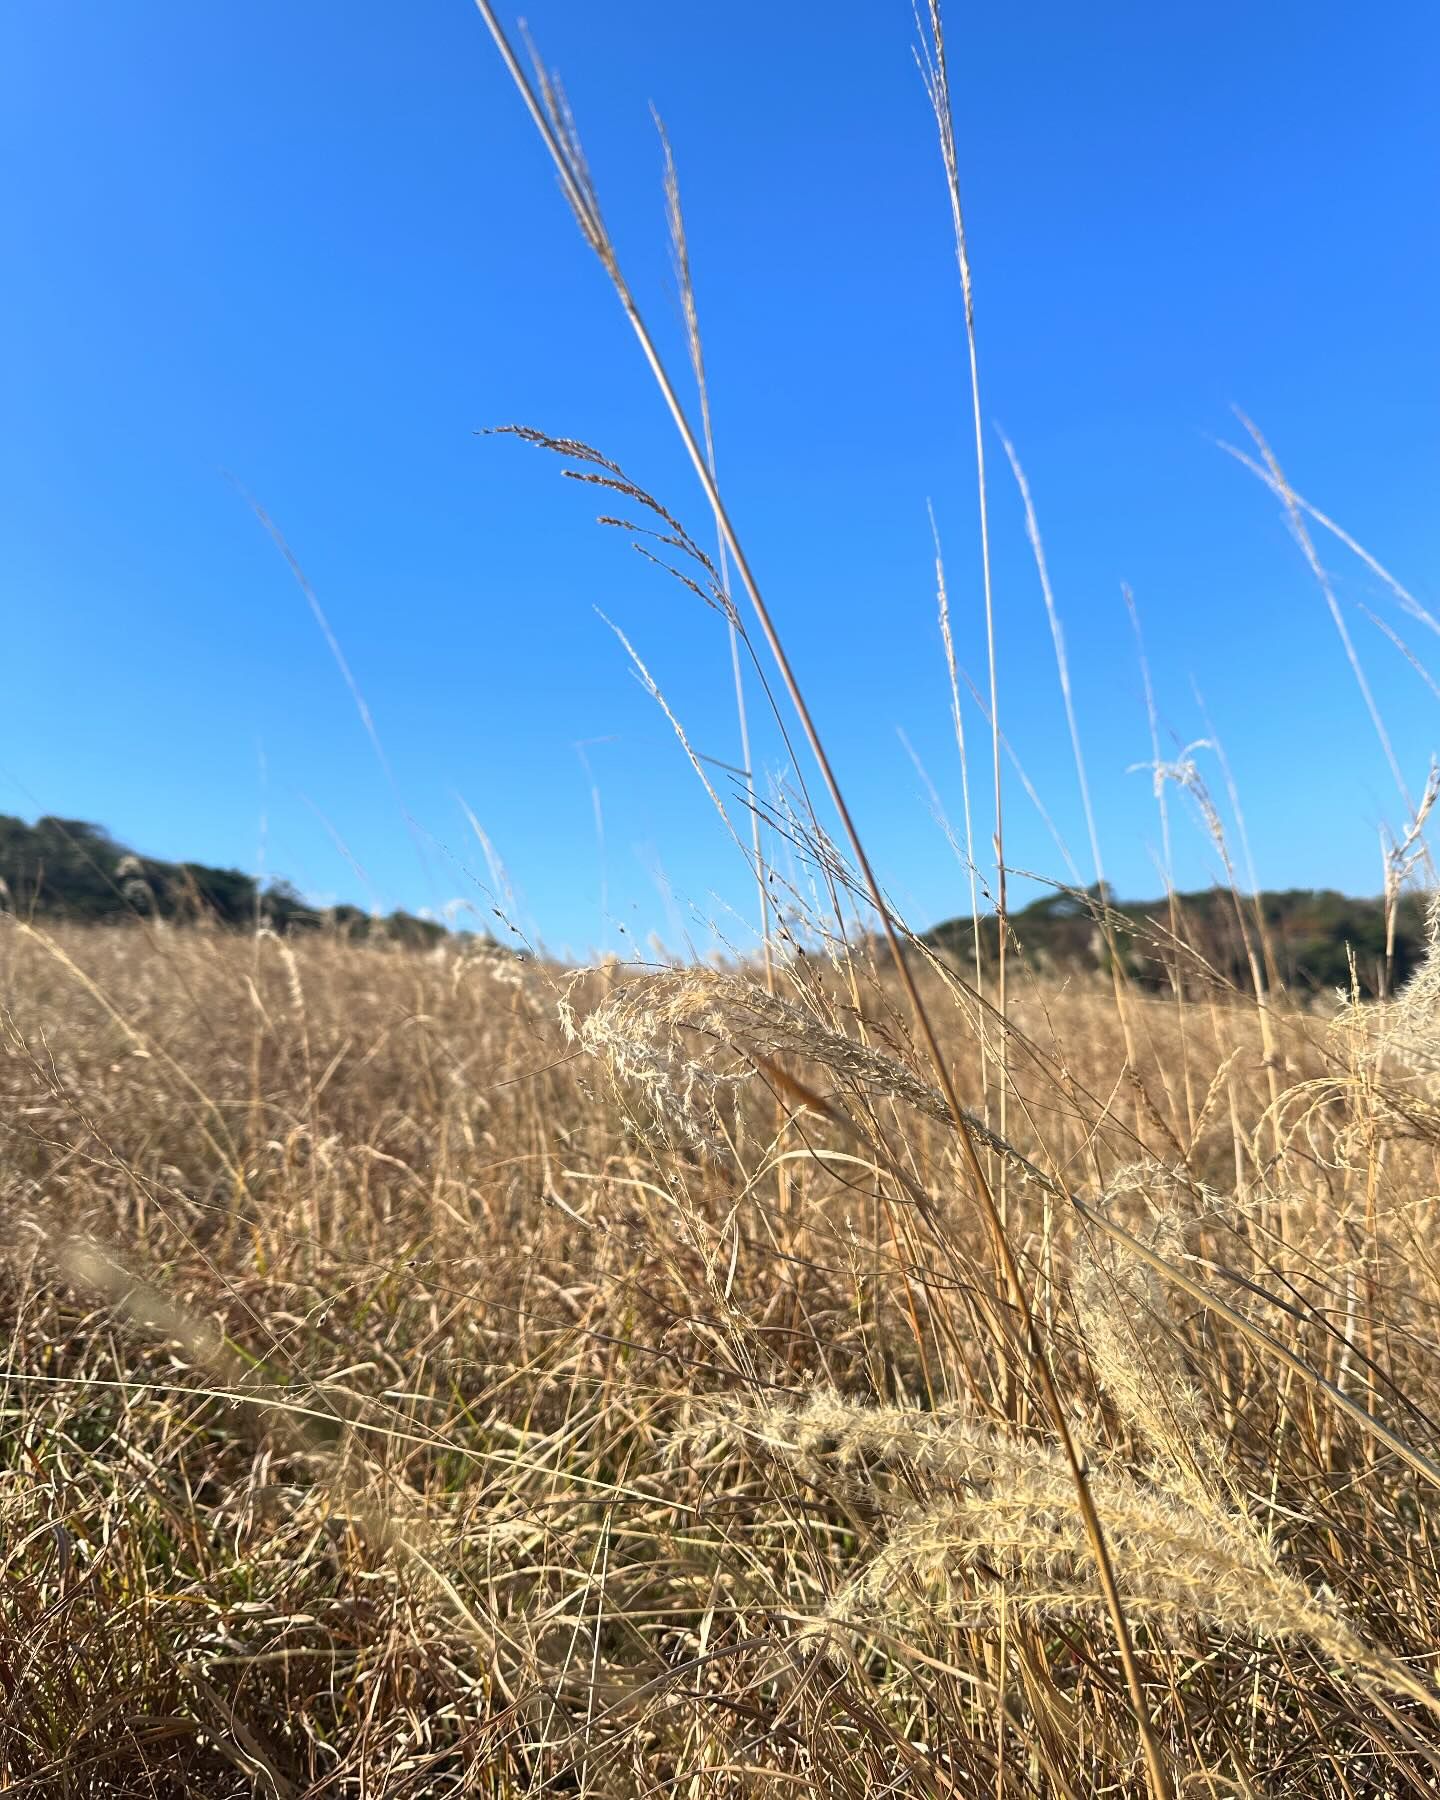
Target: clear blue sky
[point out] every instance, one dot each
(317, 246)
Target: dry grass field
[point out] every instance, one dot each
(843, 1373)
(438, 1373)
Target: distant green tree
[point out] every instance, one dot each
(1309, 937)
(70, 869)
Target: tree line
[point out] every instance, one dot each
(1304, 940)
(71, 869)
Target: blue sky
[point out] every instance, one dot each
(312, 249)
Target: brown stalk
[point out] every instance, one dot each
(577, 188)
(935, 71)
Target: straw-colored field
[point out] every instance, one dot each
(405, 1397)
(438, 1372)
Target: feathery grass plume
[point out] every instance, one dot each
(683, 1036)
(631, 1033)
(1408, 1028)
(1125, 1320)
(1005, 1536)
(635, 1032)
(1386, 1089)
(827, 1432)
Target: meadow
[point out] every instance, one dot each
(440, 1372)
(851, 1369)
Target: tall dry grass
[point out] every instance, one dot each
(421, 1382)
(453, 1374)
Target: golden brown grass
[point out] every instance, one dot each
(409, 1394)
(450, 1373)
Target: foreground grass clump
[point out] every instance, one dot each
(438, 1373)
